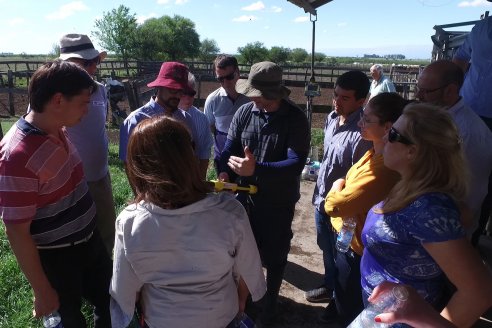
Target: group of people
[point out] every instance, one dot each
(411, 175)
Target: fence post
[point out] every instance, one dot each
(10, 82)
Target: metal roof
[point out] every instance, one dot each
(310, 6)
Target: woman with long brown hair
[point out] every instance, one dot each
(183, 250)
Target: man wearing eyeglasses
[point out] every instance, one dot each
(222, 104)
(200, 123)
(439, 84)
(90, 136)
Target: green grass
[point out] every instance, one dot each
(15, 293)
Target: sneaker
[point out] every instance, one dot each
(322, 294)
(330, 314)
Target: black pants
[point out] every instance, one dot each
(76, 272)
(348, 290)
(271, 225)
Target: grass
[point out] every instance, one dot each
(15, 293)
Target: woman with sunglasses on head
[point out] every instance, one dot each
(367, 182)
(188, 256)
(415, 236)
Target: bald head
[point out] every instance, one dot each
(440, 83)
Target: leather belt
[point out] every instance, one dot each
(85, 239)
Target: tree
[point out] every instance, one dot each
(116, 32)
(279, 55)
(168, 38)
(55, 50)
(208, 50)
(319, 57)
(253, 52)
(298, 55)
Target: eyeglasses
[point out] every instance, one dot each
(191, 93)
(363, 119)
(395, 136)
(89, 62)
(426, 91)
(228, 77)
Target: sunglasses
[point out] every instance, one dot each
(189, 93)
(89, 62)
(228, 77)
(395, 136)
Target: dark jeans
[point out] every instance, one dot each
(324, 238)
(271, 225)
(348, 290)
(76, 272)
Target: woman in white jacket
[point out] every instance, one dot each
(188, 256)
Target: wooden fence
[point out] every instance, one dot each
(136, 75)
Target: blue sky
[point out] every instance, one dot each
(343, 27)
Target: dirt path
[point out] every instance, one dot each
(304, 270)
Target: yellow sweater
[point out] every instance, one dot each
(367, 183)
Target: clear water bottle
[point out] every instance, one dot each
(388, 302)
(345, 235)
(243, 321)
(52, 320)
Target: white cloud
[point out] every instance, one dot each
(343, 24)
(245, 18)
(254, 6)
(475, 3)
(163, 2)
(181, 2)
(276, 9)
(16, 21)
(67, 10)
(301, 19)
(142, 18)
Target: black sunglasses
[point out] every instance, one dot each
(395, 136)
(191, 93)
(89, 62)
(228, 77)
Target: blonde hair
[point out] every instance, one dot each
(438, 166)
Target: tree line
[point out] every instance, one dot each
(175, 38)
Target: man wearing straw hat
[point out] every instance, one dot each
(90, 136)
(267, 146)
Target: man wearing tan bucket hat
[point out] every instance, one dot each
(90, 136)
(267, 146)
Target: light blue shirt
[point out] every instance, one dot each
(202, 128)
(90, 137)
(477, 148)
(220, 109)
(150, 109)
(477, 49)
(383, 85)
(343, 147)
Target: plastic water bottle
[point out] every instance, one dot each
(52, 320)
(243, 321)
(387, 302)
(345, 235)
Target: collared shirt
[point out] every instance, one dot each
(343, 147)
(184, 262)
(477, 49)
(90, 137)
(269, 136)
(43, 183)
(202, 128)
(383, 85)
(150, 109)
(220, 109)
(477, 147)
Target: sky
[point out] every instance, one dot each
(343, 27)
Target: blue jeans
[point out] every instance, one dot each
(326, 242)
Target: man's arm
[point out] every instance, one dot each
(45, 297)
